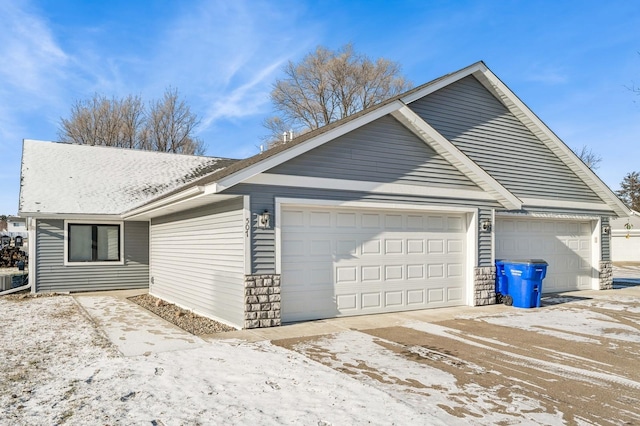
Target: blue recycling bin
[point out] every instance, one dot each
(501, 280)
(524, 281)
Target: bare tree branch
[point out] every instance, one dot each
(588, 157)
(166, 125)
(326, 86)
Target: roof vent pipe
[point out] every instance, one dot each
(284, 137)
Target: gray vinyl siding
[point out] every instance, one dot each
(485, 239)
(483, 129)
(197, 260)
(605, 247)
(381, 151)
(263, 198)
(53, 276)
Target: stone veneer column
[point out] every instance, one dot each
(606, 275)
(485, 286)
(261, 301)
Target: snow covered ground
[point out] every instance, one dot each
(58, 367)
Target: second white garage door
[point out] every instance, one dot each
(564, 244)
(340, 262)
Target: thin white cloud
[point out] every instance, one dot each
(28, 49)
(32, 67)
(227, 54)
(246, 99)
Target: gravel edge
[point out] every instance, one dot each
(183, 318)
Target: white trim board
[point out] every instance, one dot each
(246, 221)
(542, 202)
(367, 186)
(472, 222)
(457, 158)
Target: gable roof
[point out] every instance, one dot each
(61, 178)
(192, 179)
(397, 107)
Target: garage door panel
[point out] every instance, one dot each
(455, 293)
(415, 272)
(415, 222)
(346, 220)
(370, 261)
(370, 221)
(455, 246)
(436, 295)
(393, 221)
(435, 223)
(564, 244)
(393, 272)
(415, 297)
(371, 300)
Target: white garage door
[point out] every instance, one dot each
(564, 244)
(340, 262)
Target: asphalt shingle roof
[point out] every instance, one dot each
(80, 179)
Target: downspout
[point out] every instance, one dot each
(15, 290)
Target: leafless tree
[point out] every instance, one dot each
(588, 157)
(170, 126)
(327, 85)
(127, 123)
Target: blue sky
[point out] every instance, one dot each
(571, 62)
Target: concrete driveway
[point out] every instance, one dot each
(573, 361)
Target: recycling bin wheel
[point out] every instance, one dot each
(507, 300)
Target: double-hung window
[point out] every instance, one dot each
(88, 242)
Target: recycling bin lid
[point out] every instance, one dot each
(525, 261)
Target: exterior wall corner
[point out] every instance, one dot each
(606, 275)
(485, 286)
(262, 301)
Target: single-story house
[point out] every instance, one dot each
(625, 239)
(402, 206)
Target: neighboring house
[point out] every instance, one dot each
(15, 232)
(625, 239)
(403, 206)
(16, 227)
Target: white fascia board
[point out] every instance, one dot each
(154, 205)
(457, 158)
(303, 147)
(541, 202)
(78, 216)
(553, 142)
(537, 215)
(367, 186)
(478, 66)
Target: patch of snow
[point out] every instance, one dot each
(56, 367)
(580, 325)
(418, 384)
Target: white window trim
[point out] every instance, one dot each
(93, 222)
